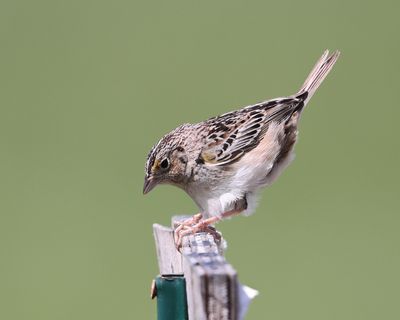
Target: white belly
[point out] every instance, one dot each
(254, 171)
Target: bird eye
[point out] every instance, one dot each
(164, 164)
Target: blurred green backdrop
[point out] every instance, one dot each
(88, 86)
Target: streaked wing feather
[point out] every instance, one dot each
(234, 134)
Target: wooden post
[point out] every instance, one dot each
(212, 288)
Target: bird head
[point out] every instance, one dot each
(166, 163)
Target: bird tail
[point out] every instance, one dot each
(318, 74)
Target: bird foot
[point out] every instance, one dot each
(193, 225)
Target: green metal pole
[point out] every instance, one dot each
(171, 298)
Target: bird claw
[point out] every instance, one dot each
(193, 225)
(184, 228)
(189, 222)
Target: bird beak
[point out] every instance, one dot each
(149, 184)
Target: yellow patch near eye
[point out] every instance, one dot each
(155, 166)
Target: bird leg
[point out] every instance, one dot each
(197, 224)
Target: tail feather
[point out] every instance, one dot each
(318, 73)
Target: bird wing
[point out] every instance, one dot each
(233, 134)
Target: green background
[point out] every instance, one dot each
(87, 87)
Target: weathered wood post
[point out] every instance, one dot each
(212, 288)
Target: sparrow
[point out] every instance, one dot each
(223, 162)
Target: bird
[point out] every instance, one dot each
(222, 163)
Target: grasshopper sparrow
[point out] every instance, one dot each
(222, 162)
